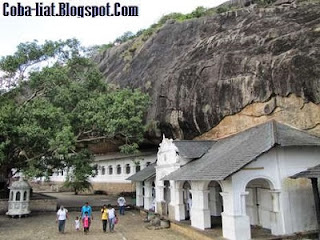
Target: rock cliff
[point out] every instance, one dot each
(215, 76)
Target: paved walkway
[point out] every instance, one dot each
(131, 226)
(43, 226)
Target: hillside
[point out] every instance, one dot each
(217, 75)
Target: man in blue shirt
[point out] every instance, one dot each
(88, 209)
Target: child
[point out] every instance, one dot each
(77, 223)
(85, 223)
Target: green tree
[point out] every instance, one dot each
(125, 37)
(81, 168)
(30, 54)
(62, 108)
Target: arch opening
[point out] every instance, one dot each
(259, 204)
(187, 199)
(215, 203)
(18, 194)
(25, 196)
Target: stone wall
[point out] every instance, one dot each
(48, 187)
(114, 188)
(40, 203)
(43, 205)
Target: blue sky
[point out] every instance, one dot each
(90, 31)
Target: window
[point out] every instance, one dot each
(25, 196)
(110, 170)
(103, 170)
(137, 167)
(18, 196)
(118, 169)
(127, 168)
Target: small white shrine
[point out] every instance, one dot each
(19, 198)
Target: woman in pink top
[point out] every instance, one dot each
(86, 223)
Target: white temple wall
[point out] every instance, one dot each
(292, 208)
(296, 194)
(114, 177)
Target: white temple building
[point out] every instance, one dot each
(113, 169)
(243, 179)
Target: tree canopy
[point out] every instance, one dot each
(60, 105)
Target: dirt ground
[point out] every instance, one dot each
(42, 226)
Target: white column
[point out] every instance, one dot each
(159, 196)
(176, 206)
(277, 222)
(123, 169)
(275, 200)
(172, 203)
(200, 213)
(147, 195)
(133, 169)
(159, 191)
(235, 222)
(139, 194)
(179, 205)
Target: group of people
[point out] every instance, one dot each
(108, 215)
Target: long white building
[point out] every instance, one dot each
(113, 170)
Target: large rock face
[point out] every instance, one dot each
(200, 71)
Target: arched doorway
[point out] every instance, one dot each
(187, 196)
(215, 203)
(259, 204)
(153, 196)
(143, 194)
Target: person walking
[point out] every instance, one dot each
(62, 216)
(87, 208)
(112, 217)
(77, 223)
(104, 217)
(86, 223)
(122, 203)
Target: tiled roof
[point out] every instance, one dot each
(229, 155)
(313, 172)
(118, 155)
(144, 174)
(193, 149)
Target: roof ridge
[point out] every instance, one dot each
(274, 130)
